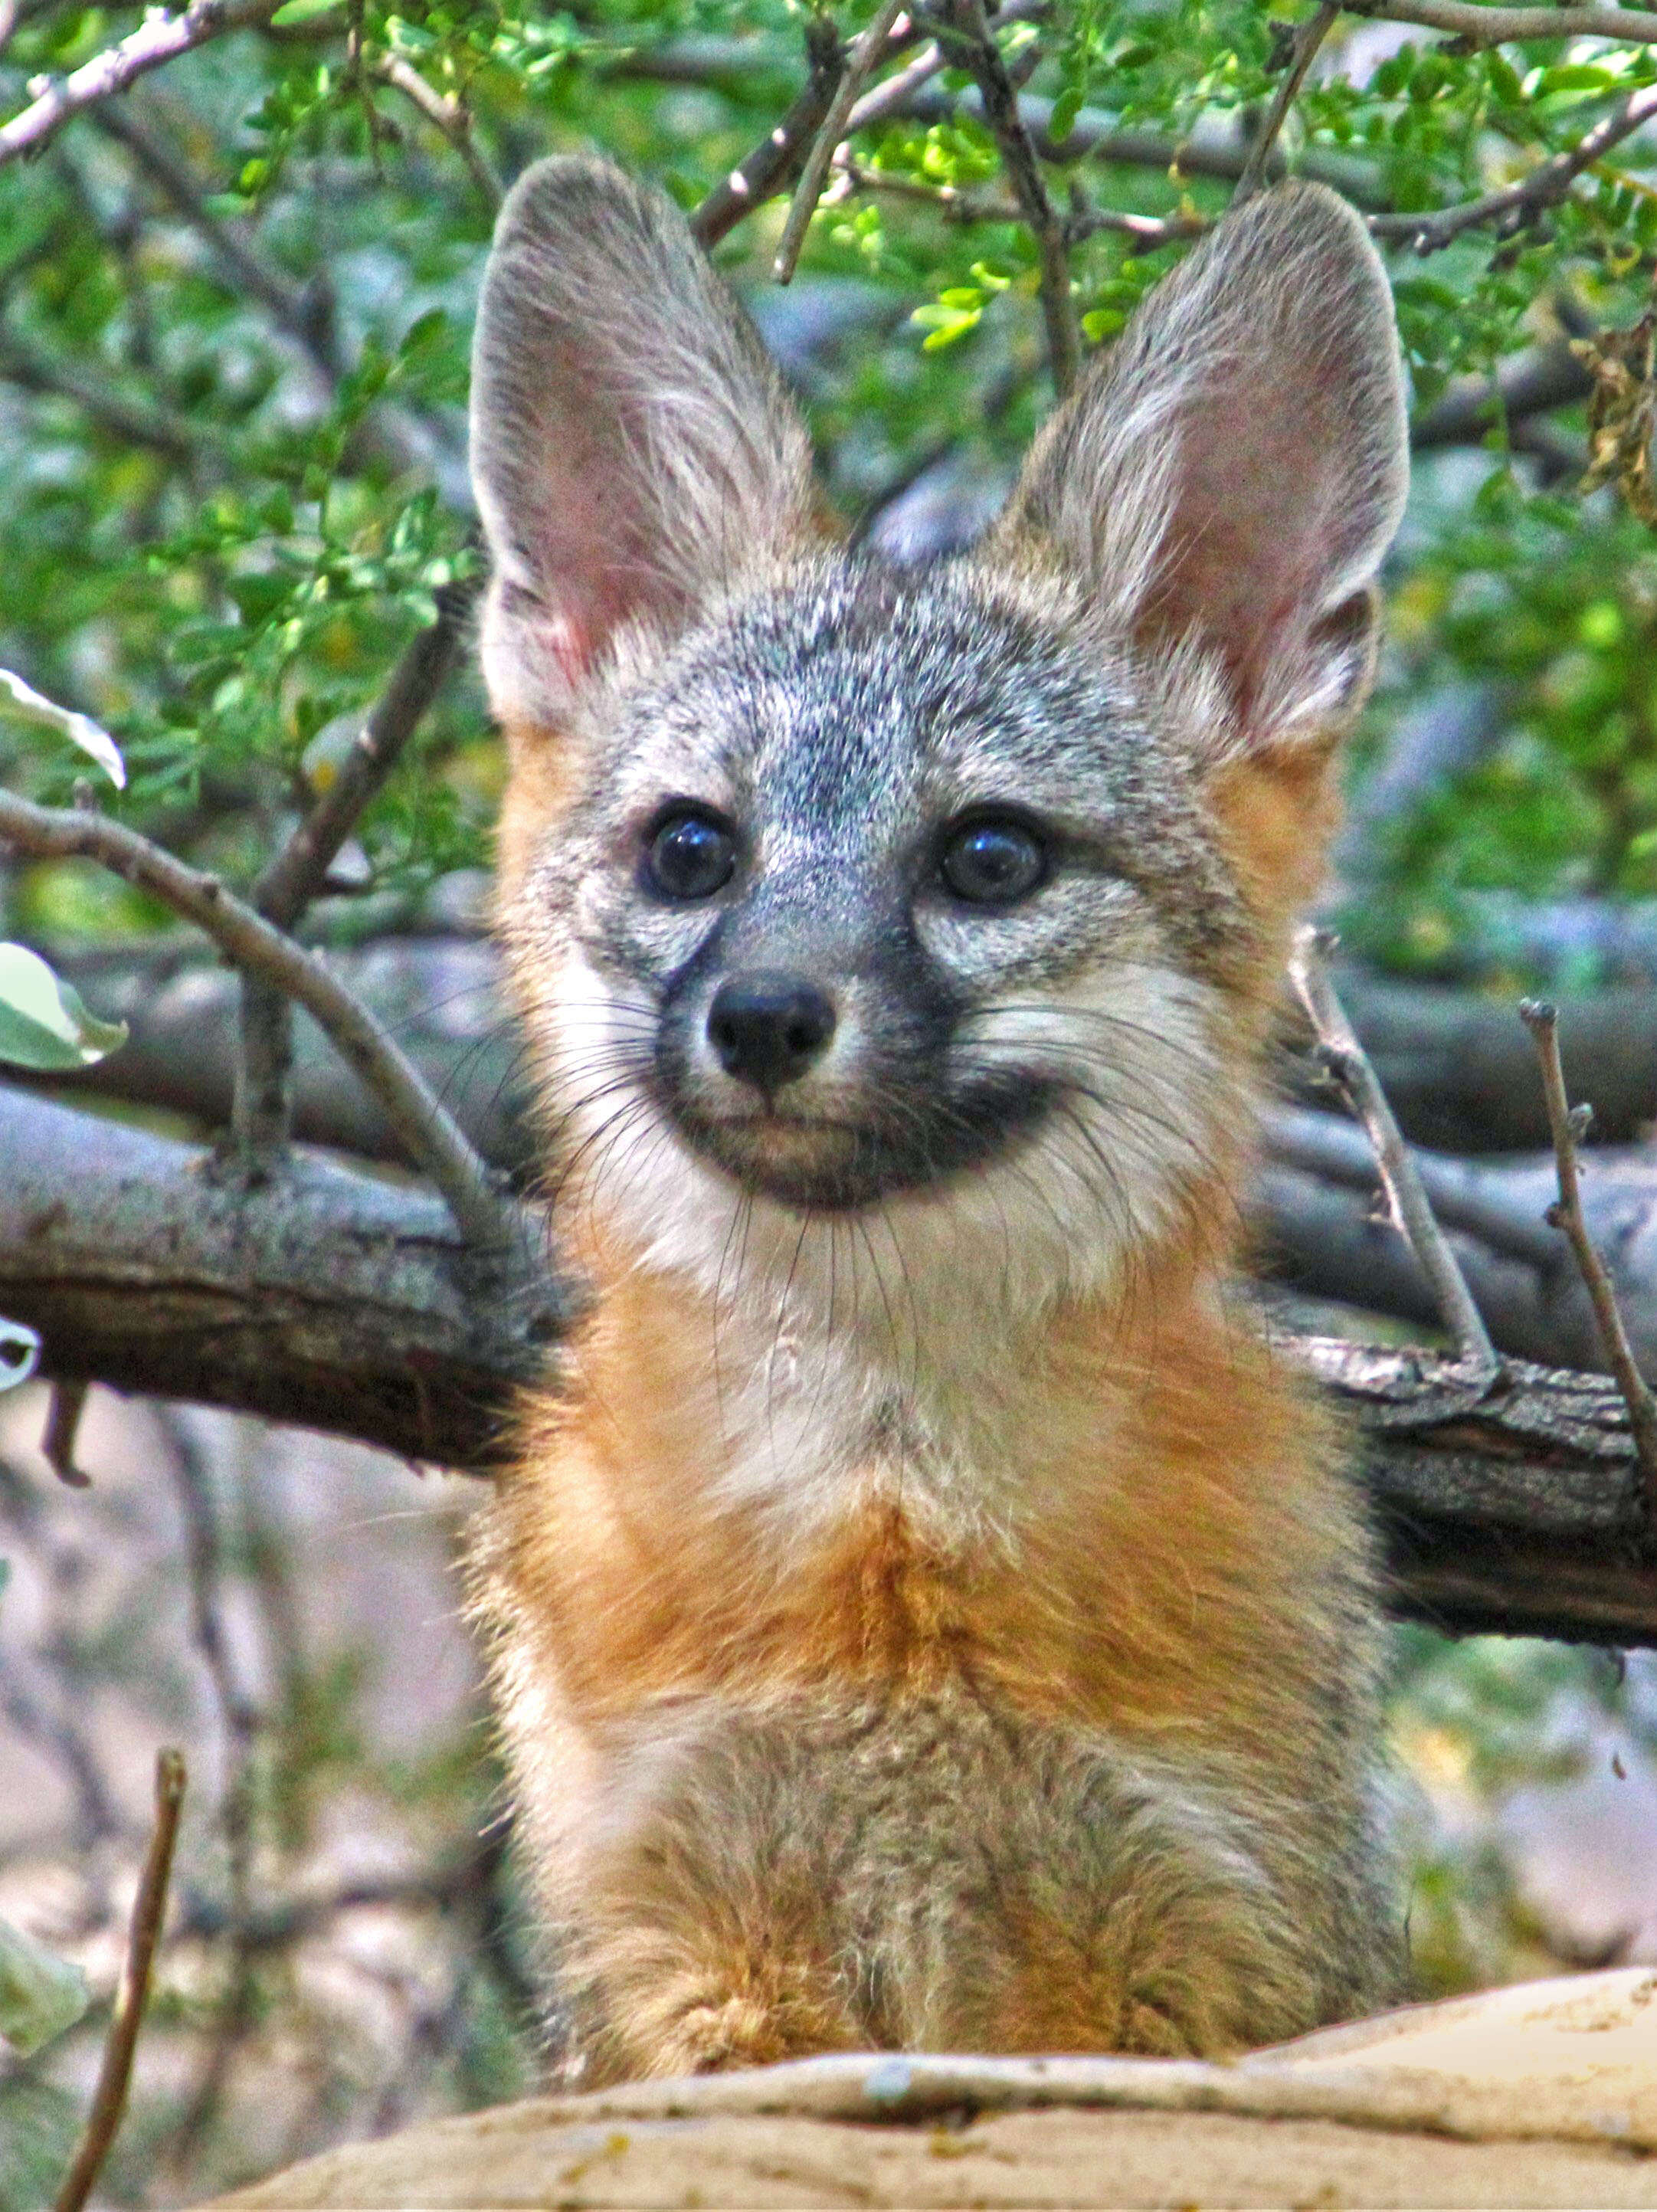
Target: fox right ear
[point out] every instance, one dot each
(633, 449)
(1225, 481)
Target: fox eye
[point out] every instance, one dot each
(689, 855)
(993, 862)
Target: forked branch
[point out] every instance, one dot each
(1406, 1194)
(1569, 1126)
(424, 1126)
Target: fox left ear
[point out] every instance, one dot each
(1230, 475)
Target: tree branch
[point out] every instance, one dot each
(330, 1298)
(776, 161)
(982, 57)
(260, 1117)
(1516, 205)
(148, 1908)
(1411, 1209)
(1569, 1126)
(343, 1301)
(854, 74)
(1481, 26)
(1302, 50)
(160, 37)
(448, 113)
(425, 1127)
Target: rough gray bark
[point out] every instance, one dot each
(336, 1299)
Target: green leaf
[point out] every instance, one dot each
(1065, 109)
(41, 1996)
(43, 1024)
(303, 11)
(20, 1355)
(22, 703)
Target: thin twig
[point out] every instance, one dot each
(946, 200)
(1411, 1209)
(259, 1111)
(448, 113)
(809, 191)
(776, 161)
(1304, 46)
(63, 1410)
(160, 38)
(1517, 204)
(983, 59)
(423, 1124)
(148, 1908)
(1494, 26)
(1569, 1126)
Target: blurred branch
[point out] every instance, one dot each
(1480, 25)
(1570, 1125)
(304, 311)
(982, 57)
(330, 1298)
(1411, 1209)
(448, 114)
(160, 38)
(1303, 44)
(181, 440)
(1516, 205)
(424, 1125)
(1530, 384)
(148, 1908)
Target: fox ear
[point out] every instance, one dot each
(632, 447)
(1230, 475)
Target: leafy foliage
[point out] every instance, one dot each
(233, 337)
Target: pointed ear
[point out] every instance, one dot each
(632, 447)
(1231, 474)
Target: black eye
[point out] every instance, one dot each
(689, 856)
(993, 863)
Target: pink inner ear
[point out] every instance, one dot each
(1254, 531)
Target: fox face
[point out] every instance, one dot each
(837, 893)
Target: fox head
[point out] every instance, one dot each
(951, 900)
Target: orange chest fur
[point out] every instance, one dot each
(1145, 1580)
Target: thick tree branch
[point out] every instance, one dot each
(160, 37)
(426, 1128)
(339, 1300)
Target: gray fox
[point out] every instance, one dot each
(922, 1615)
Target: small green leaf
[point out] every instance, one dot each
(1065, 109)
(43, 1024)
(303, 11)
(41, 1996)
(22, 703)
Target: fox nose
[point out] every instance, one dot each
(768, 1027)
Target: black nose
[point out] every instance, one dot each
(768, 1028)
